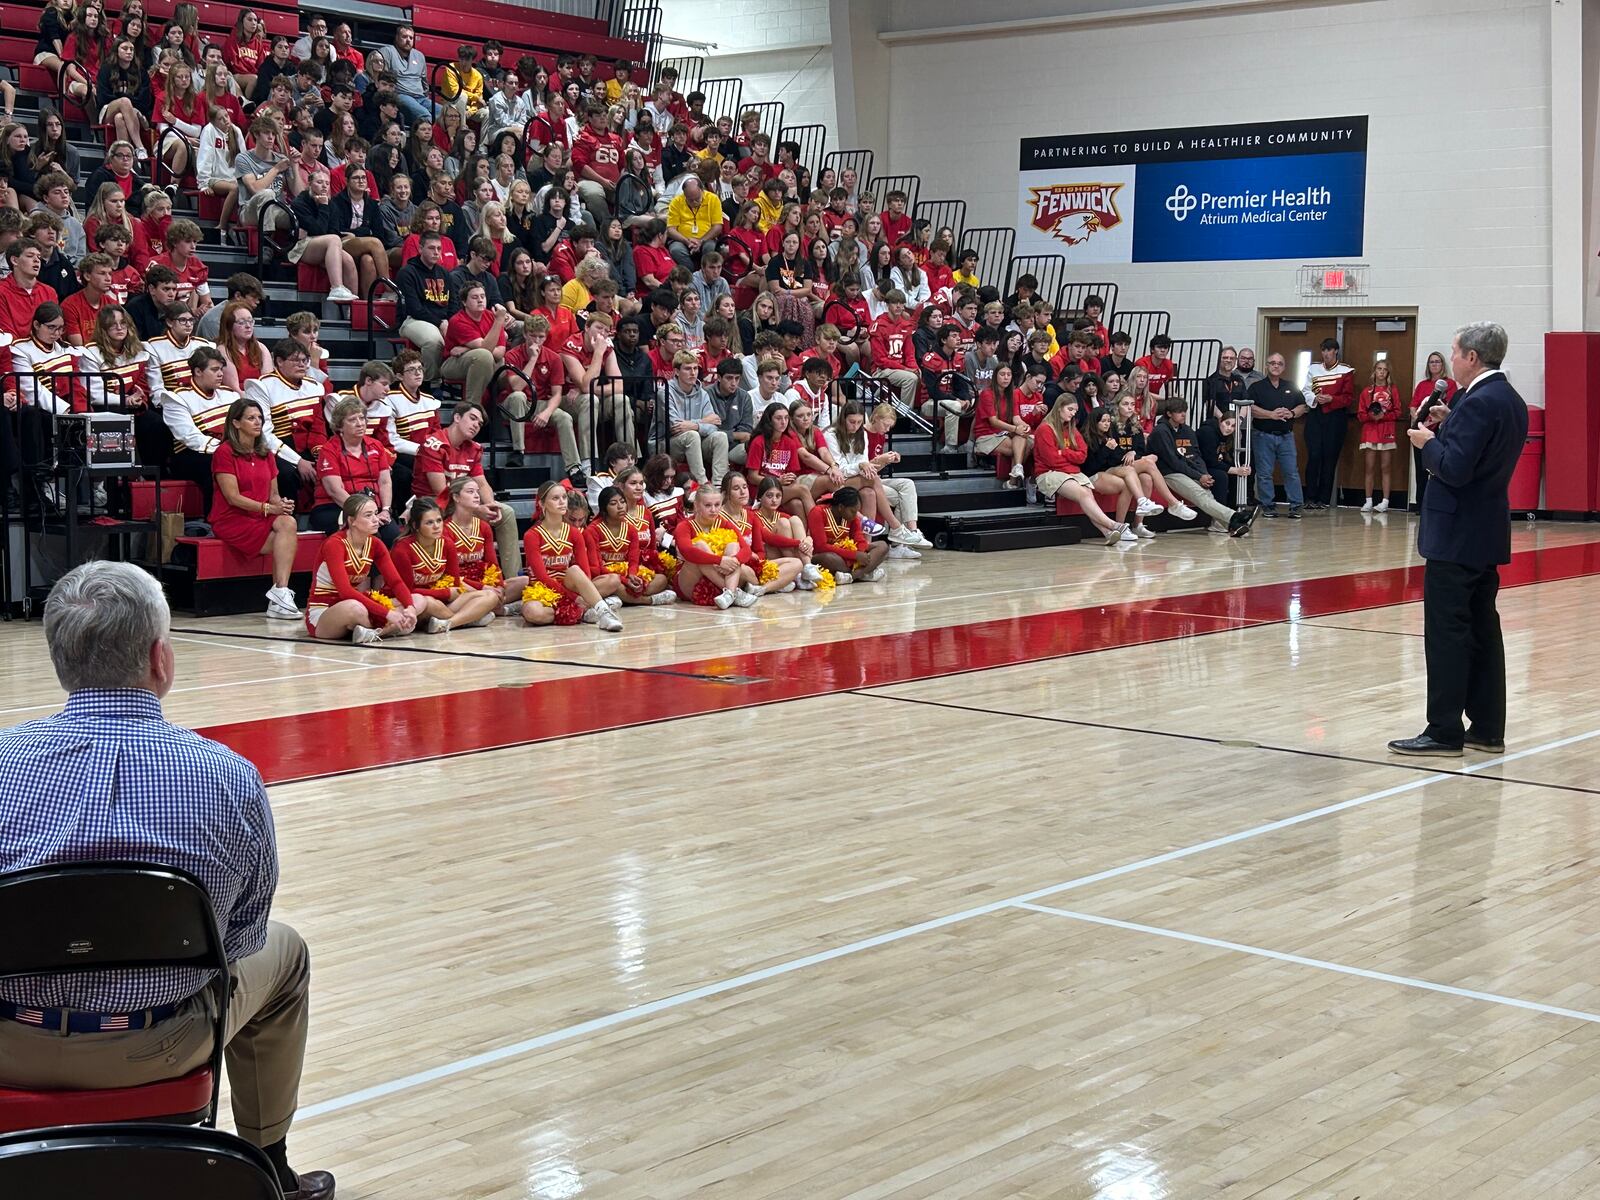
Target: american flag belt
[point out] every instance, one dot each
(64, 1020)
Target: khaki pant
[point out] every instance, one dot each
(507, 545)
(589, 409)
(906, 381)
(953, 411)
(425, 336)
(695, 449)
(560, 421)
(250, 210)
(473, 366)
(1190, 491)
(902, 498)
(265, 1040)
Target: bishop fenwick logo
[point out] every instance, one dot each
(1071, 212)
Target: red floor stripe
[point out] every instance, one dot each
(317, 744)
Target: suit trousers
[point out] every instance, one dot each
(265, 1040)
(1465, 653)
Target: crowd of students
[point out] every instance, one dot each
(591, 262)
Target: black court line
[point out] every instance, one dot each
(737, 680)
(1313, 624)
(1229, 743)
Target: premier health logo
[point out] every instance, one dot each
(1073, 212)
(1181, 203)
(1251, 208)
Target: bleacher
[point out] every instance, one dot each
(964, 508)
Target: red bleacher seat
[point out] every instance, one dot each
(215, 559)
(1069, 508)
(310, 278)
(519, 27)
(385, 315)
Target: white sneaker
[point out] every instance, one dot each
(1149, 508)
(1128, 535)
(811, 573)
(1367, 507)
(788, 587)
(438, 625)
(842, 578)
(1114, 534)
(806, 585)
(342, 295)
(608, 621)
(592, 616)
(277, 612)
(1182, 511)
(281, 596)
(486, 619)
(99, 502)
(724, 598)
(755, 589)
(362, 636)
(902, 534)
(745, 598)
(1382, 505)
(1016, 471)
(613, 602)
(872, 576)
(1145, 531)
(667, 597)
(916, 539)
(900, 550)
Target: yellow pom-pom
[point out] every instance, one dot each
(492, 576)
(446, 581)
(826, 583)
(717, 540)
(669, 562)
(769, 572)
(848, 546)
(538, 593)
(621, 568)
(386, 601)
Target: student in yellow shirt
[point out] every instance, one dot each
(462, 79)
(966, 272)
(770, 204)
(577, 292)
(617, 85)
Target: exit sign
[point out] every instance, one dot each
(1335, 281)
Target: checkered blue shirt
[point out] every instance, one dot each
(109, 778)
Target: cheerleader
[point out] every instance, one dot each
(1378, 407)
(630, 482)
(841, 540)
(554, 564)
(774, 453)
(615, 548)
(431, 567)
(342, 603)
(1059, 453)
(246, 511)
(784, 535)
(471, 539)
(705, 554)
(770, 573)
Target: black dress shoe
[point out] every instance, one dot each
(1425, 746)
(1478, 742)
(313, 1185)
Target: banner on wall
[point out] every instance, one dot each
(1276, 189)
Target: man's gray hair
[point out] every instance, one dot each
(100, 622)
(1487, 339)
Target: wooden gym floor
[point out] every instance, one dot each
(1061, 873)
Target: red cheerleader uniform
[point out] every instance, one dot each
(474, 549)
(833, 536)
(548, 556)
(423, 568)
(1377, 433)
(608, 550)
(749, 539)
(246, 532)
(768, 534)
(345, 573)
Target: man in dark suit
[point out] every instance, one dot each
(1465, 536)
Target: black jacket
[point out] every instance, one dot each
(1466, 515)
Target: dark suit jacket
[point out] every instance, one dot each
(1466, 517)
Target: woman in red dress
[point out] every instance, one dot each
(342, 603)
(553, 560)
(431, 567)
(246, 511)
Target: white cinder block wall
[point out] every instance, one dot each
(780, 51)
(1458, 183)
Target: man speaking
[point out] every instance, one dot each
(1465, 536)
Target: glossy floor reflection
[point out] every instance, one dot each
(1058, 874)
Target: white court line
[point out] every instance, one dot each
(1319, 963)
(629, 1015)
(288, 652)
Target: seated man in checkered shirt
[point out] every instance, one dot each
(110, 779)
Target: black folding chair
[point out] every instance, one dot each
(134, 1162)
(115, 916)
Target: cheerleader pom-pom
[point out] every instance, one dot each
(538, 593)
(492, 576)
(717, 540)
(669, 563)
(447, 581)
(769, 572)
(569, 611)
(705, 593)
(825, 581)
(386, 601)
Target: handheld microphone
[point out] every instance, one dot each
(1440, 387)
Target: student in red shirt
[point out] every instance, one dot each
(246, 49)
(351, 462)
(998, 427)
(1059, 452)
(893, 357)
(597, 159)
(474, 342)
(453, 453)
(193, 274)
(541, 363)
(82, 307)
(1158, 365)
(840, 541)
(896, 222)
(652, 261)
